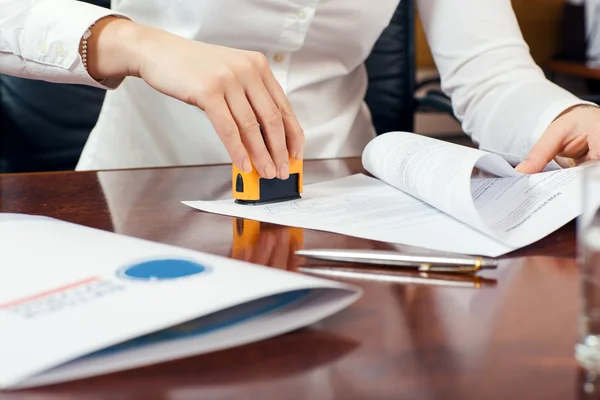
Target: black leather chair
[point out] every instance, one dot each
(45, 125)
(392, 77)
(391, 70)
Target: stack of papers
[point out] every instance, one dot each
(77, 302)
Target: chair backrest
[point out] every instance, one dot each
(391, 71)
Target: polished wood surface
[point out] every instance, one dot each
(511, 338)
(577, 69)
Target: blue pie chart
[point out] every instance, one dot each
(163, 269)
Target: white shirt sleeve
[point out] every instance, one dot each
(499, 94)
(39, 39)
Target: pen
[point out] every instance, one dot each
(464, 281)
(396, 259)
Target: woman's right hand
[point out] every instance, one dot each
(235, 88)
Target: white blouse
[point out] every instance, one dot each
(316, 49)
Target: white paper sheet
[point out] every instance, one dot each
(365, 207)
(521, 210)
(67, 291)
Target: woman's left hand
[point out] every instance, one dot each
(572, 139)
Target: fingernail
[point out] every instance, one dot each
(519, 168)
(284, 171)
(246, 165)
(270, 171)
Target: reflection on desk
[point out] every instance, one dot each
(395, 276)
(266, 244)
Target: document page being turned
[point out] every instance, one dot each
(434, 171)
(515, 209)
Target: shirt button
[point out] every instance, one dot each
(60, 51)
(302, 15)
(278, 57)
(43, 47)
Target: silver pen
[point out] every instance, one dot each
(388, 258)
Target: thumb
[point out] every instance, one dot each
(544, 151)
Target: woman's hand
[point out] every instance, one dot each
(235, 88)
(572, 139)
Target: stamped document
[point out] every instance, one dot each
(77, 302)
(423, 193)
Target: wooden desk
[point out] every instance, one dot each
(512, 340)
(576, 69)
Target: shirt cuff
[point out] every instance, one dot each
(51, 37)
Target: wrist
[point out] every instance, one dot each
(575, 107)
(111, 50)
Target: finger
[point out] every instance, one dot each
(219, 115)
(250, 131)
(281, 252)
(271, 122)
(293, 258)
(593, 153)
(293, 131)
(547, 147)
(573, 152)
(565, 162)
(576, 147)
(264, 248)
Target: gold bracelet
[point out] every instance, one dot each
(86, 35)
(84, 60)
